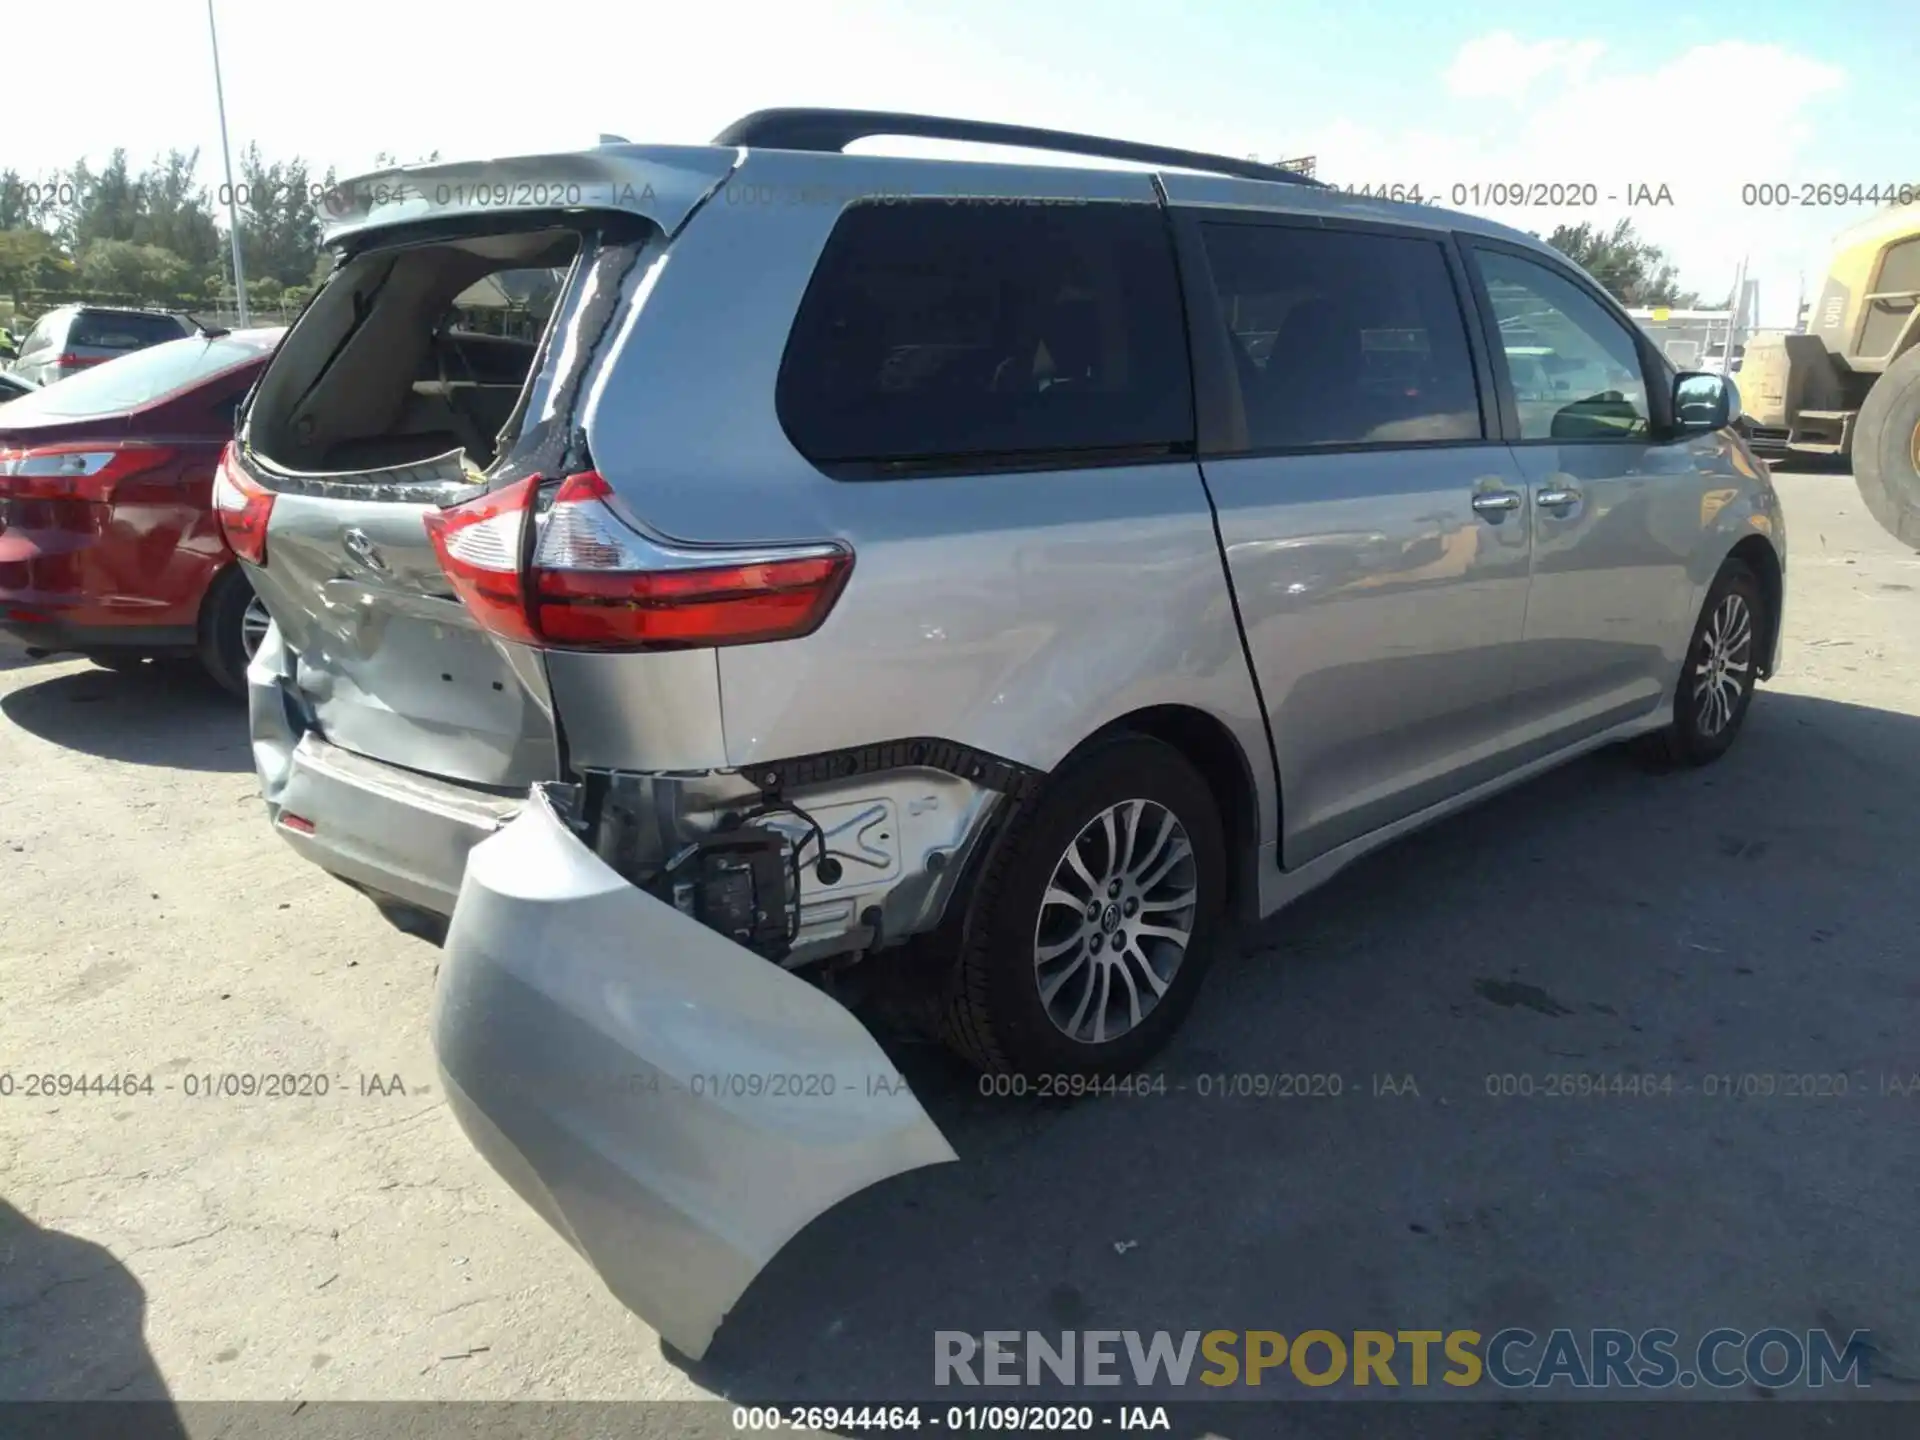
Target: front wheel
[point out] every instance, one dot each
(1090, 928)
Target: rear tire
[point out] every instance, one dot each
(1886, 449)
(1715, 689)
(1072, 959)
(230, 629)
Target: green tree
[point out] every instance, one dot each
(105, 206)
(31, 201)
(143, 272)
(280, 221)
(30, 259)
(1635, 271)
(16, 209)
(176, 212)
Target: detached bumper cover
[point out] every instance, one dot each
(675, 1106)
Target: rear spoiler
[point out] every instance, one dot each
(662, 183)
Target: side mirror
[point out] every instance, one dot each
(1703, 402)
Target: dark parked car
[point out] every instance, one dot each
(108, 541)
(73, 338)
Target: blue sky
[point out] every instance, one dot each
(1701, 98)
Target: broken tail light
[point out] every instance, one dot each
(588, 579)
(244, 507)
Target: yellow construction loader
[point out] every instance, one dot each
(1850, 387)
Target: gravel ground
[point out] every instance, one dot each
(1756, 917)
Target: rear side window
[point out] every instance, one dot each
(123, 332)
(949, 336)
(1343, 337)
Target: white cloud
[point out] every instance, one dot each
(395, 75)
(1583, 112)
(1503, 66)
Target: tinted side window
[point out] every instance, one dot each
(1575, 369)
(950, 335)
(1342, 337)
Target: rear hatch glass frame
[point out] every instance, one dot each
(609, 247)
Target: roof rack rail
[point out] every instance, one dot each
(801, 128)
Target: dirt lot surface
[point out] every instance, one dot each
(1756, 918)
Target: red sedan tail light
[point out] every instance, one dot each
(595, 582)
(244, 507)
(83, 470)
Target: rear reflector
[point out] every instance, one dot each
(297, 822)
(83, 470)
(244, 507)
(594, 581)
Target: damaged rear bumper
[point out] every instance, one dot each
(675, 1106)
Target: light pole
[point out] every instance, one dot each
(226, 156)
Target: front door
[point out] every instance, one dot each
(1613, 508)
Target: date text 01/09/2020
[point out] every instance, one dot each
(1547, 194)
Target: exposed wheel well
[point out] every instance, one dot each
(1211, 749)
(1759, 557)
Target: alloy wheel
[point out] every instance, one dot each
(1115, 921)
(254, 621)
(1723, 665)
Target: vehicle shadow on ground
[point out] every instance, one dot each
(12, 657)
(161, 714)
(1603, 918)
(74, 1332)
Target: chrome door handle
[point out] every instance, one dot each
(1556, 499)
(1496, 502)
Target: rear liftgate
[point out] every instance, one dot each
(674, 1105)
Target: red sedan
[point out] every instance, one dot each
(109, 545)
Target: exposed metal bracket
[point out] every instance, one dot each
(771, 777)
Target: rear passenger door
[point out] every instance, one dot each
(1614, 511)
(1374, 529)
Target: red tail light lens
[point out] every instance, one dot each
(480, 545)
(244, 507)
(84, 470)
(595, 582)
(79, 362)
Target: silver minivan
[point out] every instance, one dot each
(708, 575)
(72, 338)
